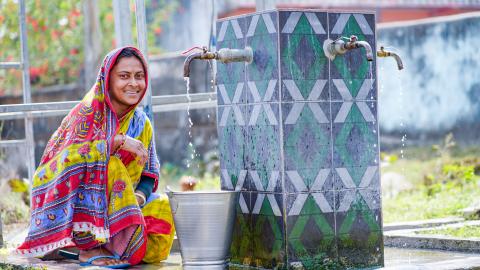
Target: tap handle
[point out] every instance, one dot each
(203, 49)
(353, 38)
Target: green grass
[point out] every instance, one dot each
(424, 200)
(417, 205)
(463, 232)
(13, 209)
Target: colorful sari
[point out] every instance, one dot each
(83, 196)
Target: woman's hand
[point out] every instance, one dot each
(133, 146)
(141, 200)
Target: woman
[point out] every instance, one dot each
(93, 187)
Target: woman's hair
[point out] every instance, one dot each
(129, 52)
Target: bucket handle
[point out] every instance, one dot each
(173, 202)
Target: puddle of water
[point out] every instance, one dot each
(406, 256)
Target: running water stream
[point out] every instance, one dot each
(372, 105)
(190, 125)
(397, 79)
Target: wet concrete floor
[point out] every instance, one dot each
(395, 259)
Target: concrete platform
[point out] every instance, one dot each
(414, 238)
(396, 258)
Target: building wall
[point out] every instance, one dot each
(439, 89)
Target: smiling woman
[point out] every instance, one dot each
(127, 81)
(93, 190)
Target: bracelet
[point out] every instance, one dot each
(122, 144)
(141, 196)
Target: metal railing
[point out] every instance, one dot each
(29, 110)
(158, 103)
(24, 65)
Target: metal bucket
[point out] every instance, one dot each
(204, 225)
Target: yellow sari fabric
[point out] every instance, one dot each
(156, 211)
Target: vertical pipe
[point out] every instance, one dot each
(123, 26)
(92, 43)
(27, 96)
(213, 41)
(143, 46)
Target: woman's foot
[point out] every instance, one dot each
(87, 254)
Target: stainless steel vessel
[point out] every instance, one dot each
(204, 224)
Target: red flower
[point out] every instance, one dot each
(109, 17)
(119, 186)
(34, 72)
(75, 13)
(158, 30)
(34, 24)
(84, 150)
(55, 34)
(63, 62)
(74, 51)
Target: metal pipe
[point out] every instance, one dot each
(122, 23)
(27, 95)
(141, 19)
(224, 55)
(364, 44)
(11, 65)
(383, 53)
(188, 60)
(332, 48)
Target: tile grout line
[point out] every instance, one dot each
(280, 129)
(332, 169)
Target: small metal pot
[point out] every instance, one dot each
(204, 224)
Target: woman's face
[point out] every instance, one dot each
(127, 83)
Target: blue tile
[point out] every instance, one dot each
(310, 203)
(232, 147)
(355, 145)
(356, 177)
(351, 23)
(353, 89)
(264, 181)
(305, 90)
(303, 22)
(228, 94)
(266, 91)
(263, 148)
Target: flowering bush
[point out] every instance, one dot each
(55, 33)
